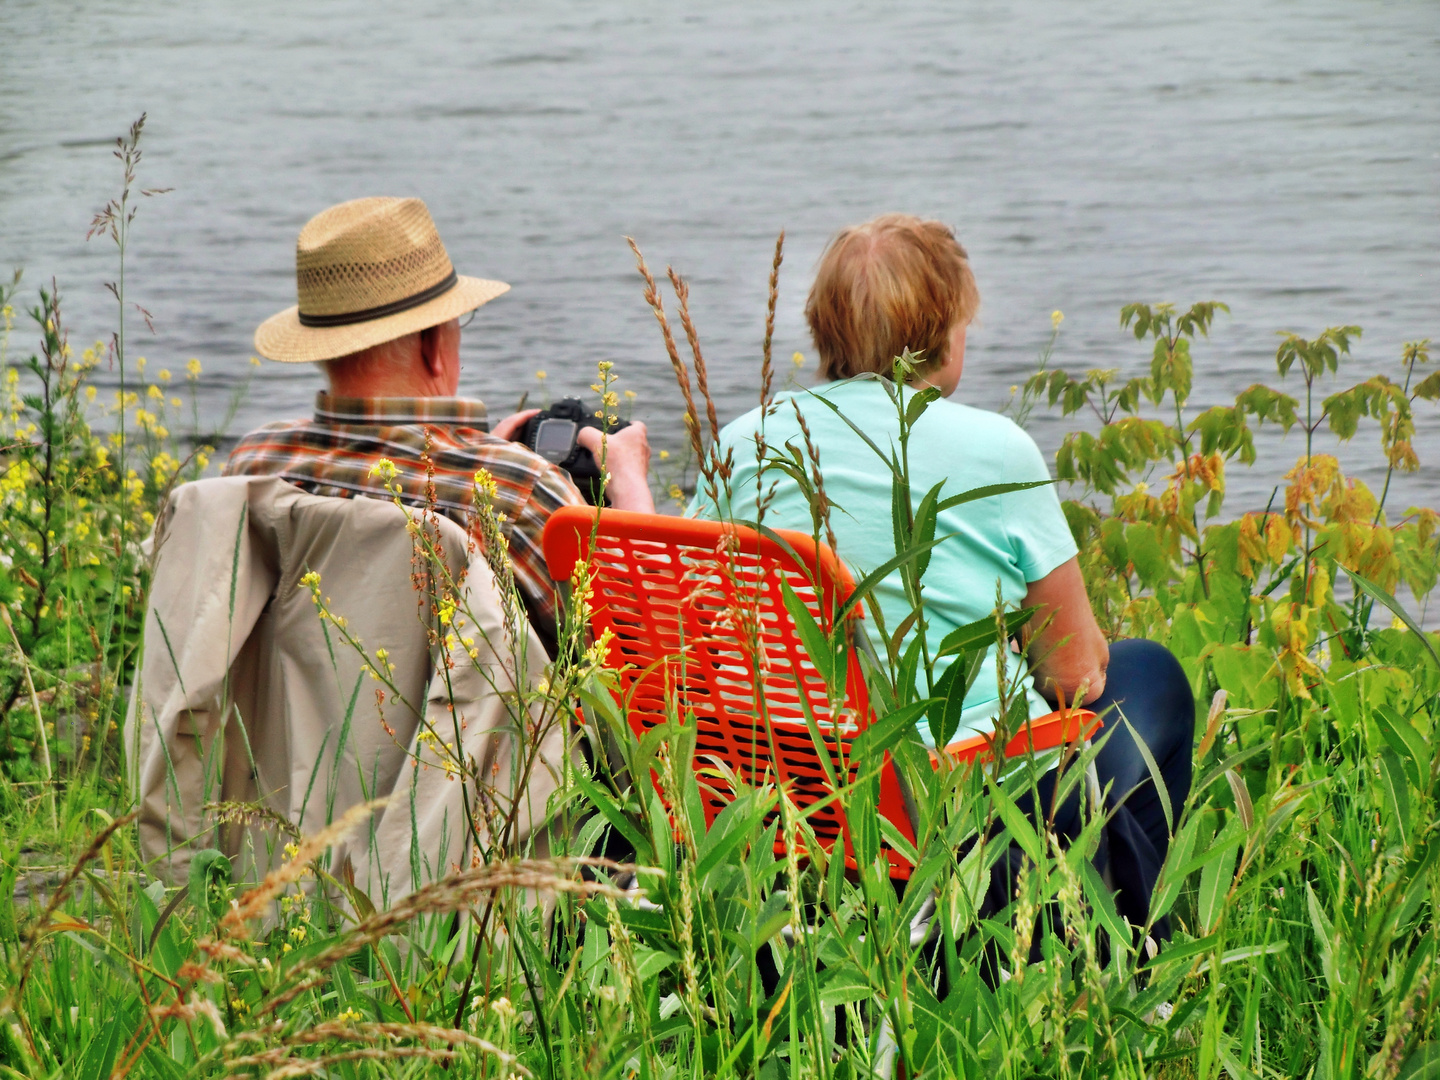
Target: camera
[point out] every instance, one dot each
(552, 434)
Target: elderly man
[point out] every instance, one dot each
(249, 704)
(379, 302)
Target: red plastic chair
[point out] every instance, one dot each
(693, 605)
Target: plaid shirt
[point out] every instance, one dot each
(333, 454)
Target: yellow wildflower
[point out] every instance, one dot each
(1056, 318)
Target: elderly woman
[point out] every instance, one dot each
(898, 283)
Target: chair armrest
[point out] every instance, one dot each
(1043, 733)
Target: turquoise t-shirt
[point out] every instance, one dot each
(1013, 539)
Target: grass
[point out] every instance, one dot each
(1302, 880)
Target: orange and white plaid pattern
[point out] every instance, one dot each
(333, 453)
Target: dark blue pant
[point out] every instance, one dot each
(1147, 687)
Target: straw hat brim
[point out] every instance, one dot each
(282, 337)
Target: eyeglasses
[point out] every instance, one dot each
(469, 320)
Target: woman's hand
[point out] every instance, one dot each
(1068, 653)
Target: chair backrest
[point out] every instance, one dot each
(697, 610)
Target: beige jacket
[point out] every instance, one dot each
(246, 696)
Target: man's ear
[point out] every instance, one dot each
(430, 351)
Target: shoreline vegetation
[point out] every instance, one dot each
(1301, 884)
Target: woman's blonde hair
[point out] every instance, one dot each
(891, 284)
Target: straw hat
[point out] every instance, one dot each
(368, 271)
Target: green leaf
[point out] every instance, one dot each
(209, 875)
(844, 983)
(908, 670)
(982, 631)
(1250, 952)
(1234, 761)
(897, 840)
(1146, 553)
(1428, 387)
(1020, 828)
(919, 403)
(1397, 792)
(822, 399)
(1343, 411)
(1408, 743)
(1156, 778)
(1324, 939)
(925, 517)
(1216, 876)
(1374, 591)
(732, 826)
(886, 731)
(948, 703)
(986, 492)
(1424, 1061)
(1103, 902)
(1417, 873)
(1184, 950)
(875, 577)
(110, 1035)
(610, 811)
(1266, 404)
(894, 641)
(651, 962)
(827, 652)
(902, 536)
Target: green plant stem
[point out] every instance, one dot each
(39, 718)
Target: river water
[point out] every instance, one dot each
(1282, 157)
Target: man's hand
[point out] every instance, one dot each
(508, 428)
(627, 460)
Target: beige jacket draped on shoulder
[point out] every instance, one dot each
(247, 696)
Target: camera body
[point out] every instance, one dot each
(552, 434)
